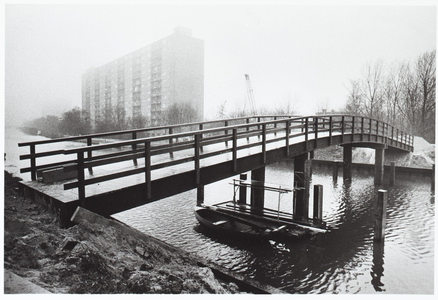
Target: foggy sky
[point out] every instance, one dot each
(305, 52)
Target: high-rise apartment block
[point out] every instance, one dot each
(146, 82)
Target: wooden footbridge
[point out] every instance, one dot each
(140, 166)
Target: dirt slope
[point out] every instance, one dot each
(88, 258)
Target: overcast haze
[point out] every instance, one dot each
(307, 52)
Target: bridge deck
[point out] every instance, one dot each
(56, 189)
(196, 158)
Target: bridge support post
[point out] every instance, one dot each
(379, 165)
(242, 190)
(317, 203)
(392, 174)
(258, 194)
(348, 160)
(200, 195)
(302, 178)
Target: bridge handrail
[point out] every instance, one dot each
(380, 129)
(335, 123)
(89, 138)
(205, 131)
(174, 135)
(139, 130)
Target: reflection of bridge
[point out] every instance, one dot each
(149, 164)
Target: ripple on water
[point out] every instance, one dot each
(343, 261)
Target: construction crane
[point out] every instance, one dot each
(250, 95)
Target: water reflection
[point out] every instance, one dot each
(377, 269)
(345, 260)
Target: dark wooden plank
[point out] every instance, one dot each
(41, 154)
(103, 178)
(48, 166)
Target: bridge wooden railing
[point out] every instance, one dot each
(133, 134)
(191, 146)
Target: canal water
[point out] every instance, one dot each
(344, 260)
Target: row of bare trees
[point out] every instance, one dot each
(76, 122)
(115, 119)
(402, 94)
(287, 107)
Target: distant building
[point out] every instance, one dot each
(146, 82)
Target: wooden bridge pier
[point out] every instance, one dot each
(258, 194)
(302, 178)
(392, 174)
(379, 162)
(379, 165)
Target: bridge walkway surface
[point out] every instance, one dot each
(112, 177)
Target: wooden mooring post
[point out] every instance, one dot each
(242, 190)
(200, 195)
(302, 179)
(380, 217)
(432, 187)
(317, 203)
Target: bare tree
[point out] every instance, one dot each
(288, 106)
(221, 110)
(404, 95)
(238, 111)
(47, 126)
(264, 111)
(355, 98)
(372, 90)
(426, 76)
(105, 123)
(120, 118)
(393, 92)
(137, 121)
(408, 104)
(72, 123)
(179, 113)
